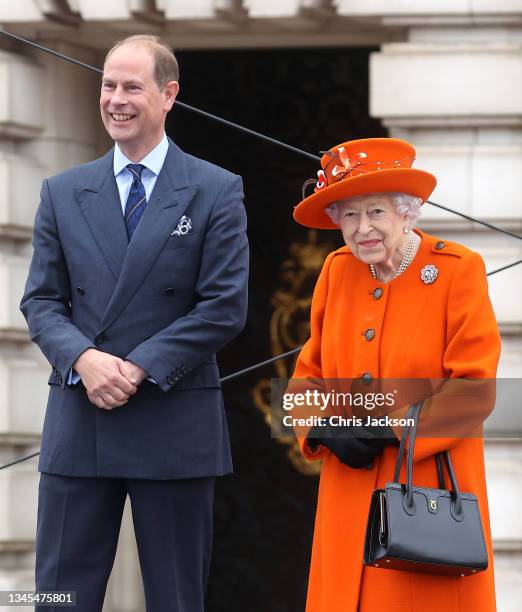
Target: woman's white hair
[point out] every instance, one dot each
(405, 204)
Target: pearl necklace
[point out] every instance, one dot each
(406, 259)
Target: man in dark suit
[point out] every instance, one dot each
(139, 275)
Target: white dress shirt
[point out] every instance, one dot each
(153, 163)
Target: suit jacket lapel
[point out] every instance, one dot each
(100, 205)
(170, 197)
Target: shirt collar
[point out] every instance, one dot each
(153, 161)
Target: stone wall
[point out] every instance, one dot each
(448, 77)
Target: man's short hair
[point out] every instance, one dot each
(166, 66)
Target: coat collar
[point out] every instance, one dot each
(153, 161)
(175, 166)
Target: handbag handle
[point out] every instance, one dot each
(413, 412)
(402, 445)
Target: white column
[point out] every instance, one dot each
(22, 371)
(69, 109)
(125, 590)
(456, 94)
(49, 121)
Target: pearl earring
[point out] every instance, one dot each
(405, 230)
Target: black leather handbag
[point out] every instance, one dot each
(418, 529)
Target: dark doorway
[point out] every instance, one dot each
(312, 99)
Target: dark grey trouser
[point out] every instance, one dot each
(77, 534)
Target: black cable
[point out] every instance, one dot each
(485, 223)
(31, 43)
(236, 126)
(259, 365)
(203, 113)
(221, 380)
(515, 263)
(3, 467)
(263, 137)
(242, 128)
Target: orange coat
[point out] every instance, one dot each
(443, 329)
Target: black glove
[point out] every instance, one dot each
(354, 445)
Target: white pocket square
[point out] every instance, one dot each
(184, 226)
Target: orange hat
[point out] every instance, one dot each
(361, 167)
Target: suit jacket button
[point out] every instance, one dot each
(440, 245)
(100, 338)
(169, 291)
(80, 290)
(377, 293)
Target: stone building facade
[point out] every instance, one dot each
(447, 77)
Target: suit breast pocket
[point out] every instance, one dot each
(184, 241)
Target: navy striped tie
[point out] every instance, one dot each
(137, 200)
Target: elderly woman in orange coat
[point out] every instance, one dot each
(394, 302)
